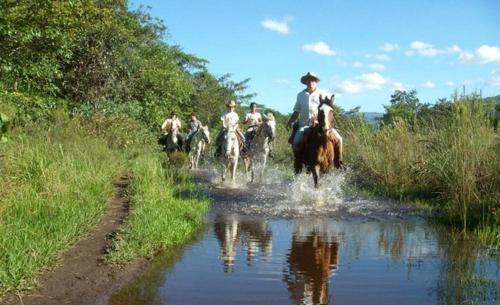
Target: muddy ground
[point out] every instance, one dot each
(82, 277)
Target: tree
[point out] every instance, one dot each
(404, 105)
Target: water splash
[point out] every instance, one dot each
(280, 194)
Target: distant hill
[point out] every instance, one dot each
(493, 98)
(372, 117)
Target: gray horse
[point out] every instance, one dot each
(198, 142)
(258, 149)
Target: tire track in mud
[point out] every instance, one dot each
(81, 276)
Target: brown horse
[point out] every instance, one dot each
(318, 152)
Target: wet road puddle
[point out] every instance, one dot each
(285, 243)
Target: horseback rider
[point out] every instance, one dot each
(230, 120)
(306, 110)
(193, 126)
(172, 124)
(252, 120)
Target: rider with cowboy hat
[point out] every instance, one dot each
(305, 110)
(230, 120)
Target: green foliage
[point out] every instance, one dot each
(4, 127)
(404, 106)
(98, 52)
(165, 210)
(448, 153)
(54, 184)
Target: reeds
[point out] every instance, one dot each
(452, 160)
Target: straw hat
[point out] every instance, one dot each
(231, 104)
(309, 75)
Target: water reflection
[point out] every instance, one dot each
(252, 260)
(313, 257)
(232, 230)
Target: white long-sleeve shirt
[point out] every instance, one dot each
(230, 120)
(307, 106)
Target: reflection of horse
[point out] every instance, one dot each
(171, 142)
(313, 256)
(230, 152)
(258, 148)
(318, 151)
(252, 234)
(198, 141)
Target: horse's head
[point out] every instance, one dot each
(325, 112)
(271, 123)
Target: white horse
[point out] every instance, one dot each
(170, 141)
(230, 152)
(198, 142)
(258, 147)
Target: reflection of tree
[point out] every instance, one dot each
(391, 239)
(252, 233)
(461, 280)
(311, 260)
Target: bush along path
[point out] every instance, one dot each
(82, 277)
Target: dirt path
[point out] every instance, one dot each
(82, 277)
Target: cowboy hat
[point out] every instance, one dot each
(309, 75)
(231, 104)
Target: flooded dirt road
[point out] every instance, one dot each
(286, 243)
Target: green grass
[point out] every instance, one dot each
(54, 187)
(453, 163)
(55, 178)
(165, 211)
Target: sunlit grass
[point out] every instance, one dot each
(453, 163)
(165, 211)
(54, 187)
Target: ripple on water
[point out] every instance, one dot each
(278, 196)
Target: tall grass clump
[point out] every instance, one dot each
(385, 160)
(464, 164)
(164, 210)
(449, 158)
(55, 181)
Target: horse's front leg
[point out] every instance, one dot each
(235, 165)
(315, 173)
(224, 168)
(197, 157)
(247, 161)
(264, 162)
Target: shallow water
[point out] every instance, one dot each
(286, 243)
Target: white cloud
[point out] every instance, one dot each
(357, 64)
(277, 26)
(454, 49)
(364, 82)
(482, 55)
(320, 47)
(382, 56)
(451, 84)
(348, 86)
(377, 67)
(398, 86)
(495, 78)
(429, 84)
(389, 47)
(281, 81)
(425, 49)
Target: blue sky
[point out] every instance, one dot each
(362, 50)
